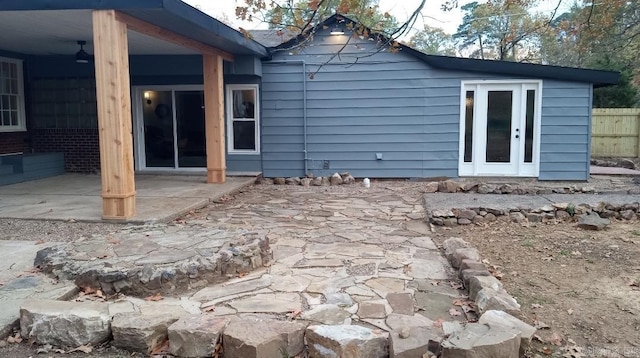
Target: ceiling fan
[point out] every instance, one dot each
(82, 56)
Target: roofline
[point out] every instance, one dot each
(599, 78)
(177, 8)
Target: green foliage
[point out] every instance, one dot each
(434, 41)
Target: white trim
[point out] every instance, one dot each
(22, 119)
(478, 165)
(230, 119)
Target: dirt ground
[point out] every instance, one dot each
(581, 288)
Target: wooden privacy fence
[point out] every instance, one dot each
(615, 132)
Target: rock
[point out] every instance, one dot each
(485, 188)
(279, 181)
(431, 187)
(593, 221)
(450, 222)
(346, 341)
(336, 179)
(481, 340)
(562, 215)
(489, 299)
(464, 222)
(339, 299)
(627, 214)
(468, 264)
(399, 321)
(306, 181)
(490, 217)
(327, 314)
(437, 221)
(465, 253)
(140, 332)
(401, 303)
(534, 218)
(467, 214)
(371, 310)
(470, 187)
(517, 217)
(414, 342)
(451, 244)
(347, 178)
(196, 335)
(292, 181)
(65, 324)
(506, 189)
(268, 303)
(448, 186)
(250, 338)
(588, 189)
(626, 163)
(501, 318)
(478, 219)
(325, 181)
(466, 275)
(478, 283)
(316, 181)
(442, 214)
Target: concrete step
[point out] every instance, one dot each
(6, 170)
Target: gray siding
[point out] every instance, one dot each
(396, 105)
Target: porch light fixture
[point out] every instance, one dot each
(147, 96)
(337, 31)
(82, 56)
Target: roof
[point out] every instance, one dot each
(272, 38)
(173, 15)
(599, 78)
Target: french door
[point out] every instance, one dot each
(500, 129)
(170, 128)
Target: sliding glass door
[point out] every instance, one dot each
(170, 128)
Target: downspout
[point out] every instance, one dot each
(304, 105)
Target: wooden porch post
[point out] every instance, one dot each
(214, 118)
(114, 115)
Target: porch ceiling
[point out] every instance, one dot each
(56, 32)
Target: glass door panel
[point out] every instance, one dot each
(157, 112)
(190, 119)
(499, 121)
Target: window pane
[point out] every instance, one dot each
(5, 102)
(499, 111)
(14, 86)
(14, 118)
(13, 73)
(468, 128)
(4, 70)
(528, 134)
(5, 120)
(244, 135)
(13, 102)
(244, 103)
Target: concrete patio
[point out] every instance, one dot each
(160, 198)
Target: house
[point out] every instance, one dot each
(122, 87)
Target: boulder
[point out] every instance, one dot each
(517, 217)
(327, 314)
(464, 222)
(252, 339)
(65, 324)
(346, 341)
(489, 299)
(478, 283)
(347, 178)
(490, 217)
(485, 188)
(196, 335)
(449, 186)
(534, 218)
(325, 181)
(467, 214)
(481, 340)
(451, 244)
(279, 181)
(501, 318)
(292, 181)
(306, 181)
(336, 179)
(414, 342)
(466, 275)
(627, 214)
(431, 187)
(141, 332)
(465, 253)
(593, 221)
(316, 181)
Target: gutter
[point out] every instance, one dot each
(304, 104)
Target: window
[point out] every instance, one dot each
(243, 124)
(11, 96)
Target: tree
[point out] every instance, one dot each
(434, 41)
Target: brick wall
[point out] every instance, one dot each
(12, 142)
(81, 147)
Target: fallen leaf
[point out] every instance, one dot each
(438, 323)
(535, 305)
(546, 351)
(209, 309)
(540, 325)
(161, 347)
(294, 314)
(87, 290)
(16, 338)
(84, 349)
(242, 274)
(40, 242)
(154, 298)
(555, 339)
(454, 312)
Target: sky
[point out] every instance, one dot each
(401, 9)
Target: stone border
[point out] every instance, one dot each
(310, 180)
(451, 186)
(549, 213)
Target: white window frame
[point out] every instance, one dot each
(524, 169)
(230, 119)
(22, 124)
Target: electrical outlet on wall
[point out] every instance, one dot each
(325, 164)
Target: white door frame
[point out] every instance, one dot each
(138, 125)
(517, 166)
